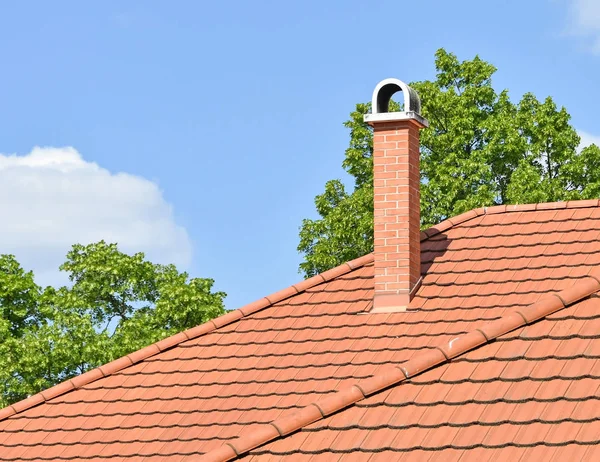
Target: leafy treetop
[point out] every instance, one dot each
(480, 149)
(117, 304)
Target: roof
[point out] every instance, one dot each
(496, 357)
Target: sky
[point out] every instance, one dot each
(199, 132)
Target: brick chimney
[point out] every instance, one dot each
(397, 196)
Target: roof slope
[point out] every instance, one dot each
(530, 395)
(190, 394)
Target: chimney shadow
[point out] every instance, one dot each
(432, 249)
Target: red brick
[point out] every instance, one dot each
(396, 204)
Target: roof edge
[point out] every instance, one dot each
(174, 340)
(292, 422)
(451, 222)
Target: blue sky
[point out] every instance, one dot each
(200, 132)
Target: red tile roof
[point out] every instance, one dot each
(497, 358)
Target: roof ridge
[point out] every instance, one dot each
(174, 340)
(506, 208)
(291, 422)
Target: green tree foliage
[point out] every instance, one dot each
(481, 149)
(116, 304)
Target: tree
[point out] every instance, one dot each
(117, 304)
(480, 149)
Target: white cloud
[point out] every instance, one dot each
(587, 139)
(585, 21)
(52, 198)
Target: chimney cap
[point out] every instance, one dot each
(381, 102)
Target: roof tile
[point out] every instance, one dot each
(460, 345)
(503, 325)
(269, 362)
(225, 452)
(57, 390)
(379, 382)
(228, 318)
(255, 438)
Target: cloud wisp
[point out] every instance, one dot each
(53, 198)
(584, 21)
